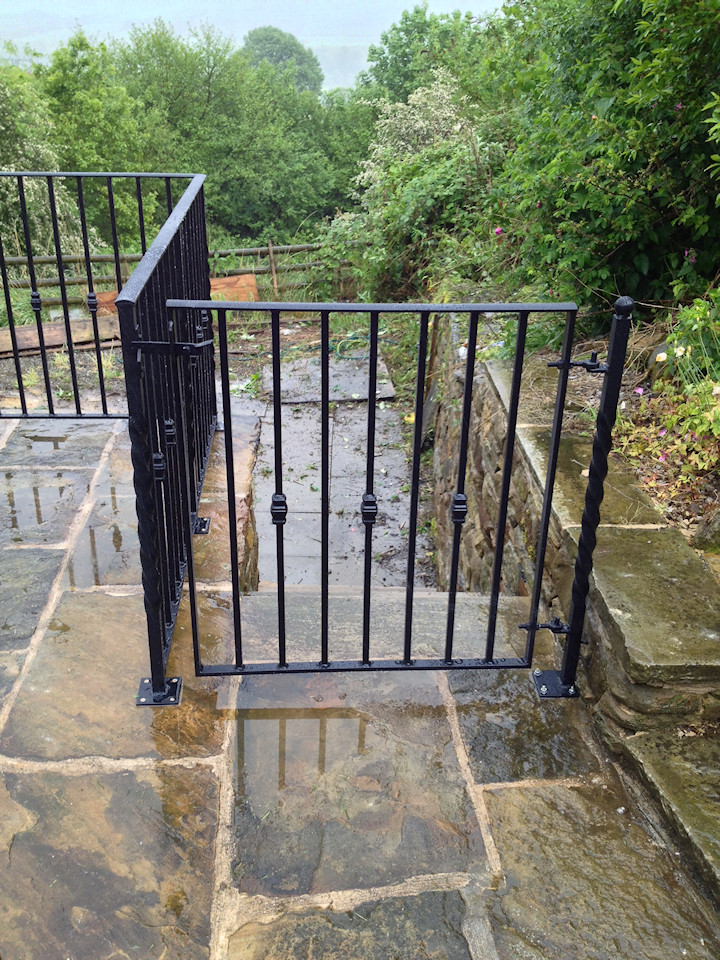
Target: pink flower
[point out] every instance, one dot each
(678, 106)
(662, 431)
(498, 231)
(662, 456)
(639, 391)
(539, 204)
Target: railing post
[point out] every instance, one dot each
(602, 443)
(155, 690)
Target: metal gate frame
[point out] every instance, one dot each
(176, 356)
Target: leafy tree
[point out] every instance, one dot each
(285, 51)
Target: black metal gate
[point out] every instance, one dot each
(170, 373)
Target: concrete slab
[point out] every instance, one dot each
(106, 865)
(40, 505)
(586, 880)
(682, 769)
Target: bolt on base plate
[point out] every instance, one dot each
(171, 697)
(549, 686)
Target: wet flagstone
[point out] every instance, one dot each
(40, 505)
(102, 866)
(53, 442)
(79, 696)
(10, 663)
(682, 768)
(357, 785)
(586, 880)
(424, 927)
(26, 578)
(510, 735)
(107, 550)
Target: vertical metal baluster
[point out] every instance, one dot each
(92, 300)
(11, 325)
(415, 481)
(175, 366)
(230, 473)
(113, 226)
(458, 510)
(325, 484)
(278, 507)
(566, 357)
(35, 298)
(368, 507)
(141, 213)
(505, 483)
(602, 444)
(63, 293)
(168, 195)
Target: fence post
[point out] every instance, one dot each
(564, 684)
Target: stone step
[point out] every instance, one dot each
(259, 624)
(681, 769)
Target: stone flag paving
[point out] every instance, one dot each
(376, 816)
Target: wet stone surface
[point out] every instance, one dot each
(586, 881)
(107, 550)
(354, 786)
(26, 578)
(79, 696)
(39, 505)
(53, 442)
(424, 927)
(106, 865)
(683, 770)
(511, 736)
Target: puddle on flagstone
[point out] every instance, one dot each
(585, 879)
(107, 550)
(39, 506)
(510, 735)
(347, 782)
(107, 865)
(423, 927)
(48, 443)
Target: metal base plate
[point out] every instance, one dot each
(549, 687)
(171, 697)
(202, 525)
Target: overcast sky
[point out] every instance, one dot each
(339, 31)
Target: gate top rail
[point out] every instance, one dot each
(94, 174)
(372, 307)
(145, 270)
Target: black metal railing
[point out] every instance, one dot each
(60, 234)
(170, 381)
(549, 683)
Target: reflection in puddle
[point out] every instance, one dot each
(301, 741)
(32, 505)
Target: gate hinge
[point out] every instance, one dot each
(168, 348)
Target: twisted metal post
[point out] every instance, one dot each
(602, 443)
